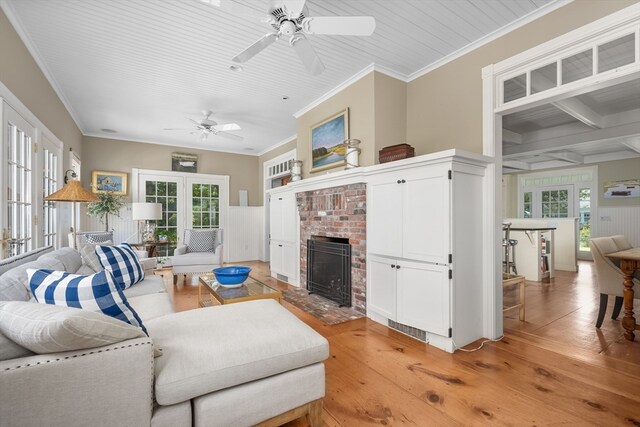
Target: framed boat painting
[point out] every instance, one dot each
(327, 141)
(112, 182)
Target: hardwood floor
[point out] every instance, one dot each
(555, 368)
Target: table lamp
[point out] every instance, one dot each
(146, 212)
(72, 191)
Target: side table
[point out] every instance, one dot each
(150, 247)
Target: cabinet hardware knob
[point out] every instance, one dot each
(399, 182)
(403, 181)
(397, 266)
(393, 266)
(280, 246)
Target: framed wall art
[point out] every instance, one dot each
(182, 162)
(327, 141)
(103, 181)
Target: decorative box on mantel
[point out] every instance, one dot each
(396, 152)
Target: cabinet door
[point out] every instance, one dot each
(289, 217)
(424, 296)
(276, 257)
(381, 291)
(384, 217)
(289, 261)
(275, 217)
(426, 221)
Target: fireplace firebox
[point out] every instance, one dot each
(329, 268)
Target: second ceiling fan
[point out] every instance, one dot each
(290, 19)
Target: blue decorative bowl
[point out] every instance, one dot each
(233, 275)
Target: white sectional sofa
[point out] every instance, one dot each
(233, 365)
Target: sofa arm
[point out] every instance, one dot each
(110, 385)
(219, 253)
(180, 250)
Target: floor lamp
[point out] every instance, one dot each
(146, 212)
(72, 192)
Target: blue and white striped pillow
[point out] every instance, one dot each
(122, 262)
(98, 292)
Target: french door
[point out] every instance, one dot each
(188, 201)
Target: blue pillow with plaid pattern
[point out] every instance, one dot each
(122, 262)
(98, 293)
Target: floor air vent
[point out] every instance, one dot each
(281, 277)
(408, 330)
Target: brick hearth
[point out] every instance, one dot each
(337, 212)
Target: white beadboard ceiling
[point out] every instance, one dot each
(140, 66)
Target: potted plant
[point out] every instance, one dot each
(109, 203)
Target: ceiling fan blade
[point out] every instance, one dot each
(197, 123)
(340, 25)
(255, 48)
(293, 8)
(175, 129)
(229, 136)
(307, 54)
(227, 126)
(236, 8)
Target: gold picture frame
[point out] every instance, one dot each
(112, 182)
(327, 141)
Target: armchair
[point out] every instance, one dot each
(202, 251)
(608, 274)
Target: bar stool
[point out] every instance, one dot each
(509, 245)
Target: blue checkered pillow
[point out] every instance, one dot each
(98, 292)
(122, 262)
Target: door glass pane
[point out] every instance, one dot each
(577, 67)
(157, 192)
(616, 53)
(555, 203)
(585, 218)
(49, 184)
(515, 88)
(204, 205)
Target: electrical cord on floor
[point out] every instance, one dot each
(481, 345)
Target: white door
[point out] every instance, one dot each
(424, 296)
(384, 216)
(17, 219)
(426, 216)
(169, 192)
(289, 260)
(381, 296)
(206, 202)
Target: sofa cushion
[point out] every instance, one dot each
(14, 284)
(151, 306)
(69, 257)
(150, 285)
(10, 349)
(50, 329)
(193, 258)
(98, 292)
(89, 255)
(122, 262)
(213, 348)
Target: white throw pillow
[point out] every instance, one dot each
(89, 256)
(44, 328)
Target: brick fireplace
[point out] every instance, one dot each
(338, 212)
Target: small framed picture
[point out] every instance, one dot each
(112, 182)
(182, 162)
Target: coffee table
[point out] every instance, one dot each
(251, 289)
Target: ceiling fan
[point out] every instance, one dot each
(207, 126)
(290, 19)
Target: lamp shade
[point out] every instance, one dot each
(146, 211)
(72, 192)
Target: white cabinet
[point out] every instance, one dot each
(412, 293)
(409, 214)
(283, 236)
(424, 248)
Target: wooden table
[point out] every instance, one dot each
(251, 289)
(629, 262)
(150, 247)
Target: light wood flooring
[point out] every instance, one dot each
(555, 368)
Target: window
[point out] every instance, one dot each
(585, 218)
(528, 204)
(205, 204)
(49, 186)
(165, 193)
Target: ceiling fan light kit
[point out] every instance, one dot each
(289, 18)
